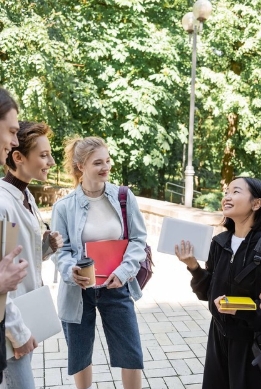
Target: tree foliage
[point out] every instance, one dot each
(229, 89)
(120, 69)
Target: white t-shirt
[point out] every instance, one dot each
(235, 243)
(102, 221)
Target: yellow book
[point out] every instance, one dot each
(238, 303)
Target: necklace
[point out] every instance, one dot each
(92, 191)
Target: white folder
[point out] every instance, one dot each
(39, 315)
(173, 231)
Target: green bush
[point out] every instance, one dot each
(209, 202)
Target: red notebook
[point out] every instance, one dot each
(107, 256)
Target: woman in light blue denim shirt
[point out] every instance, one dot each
(92, 212)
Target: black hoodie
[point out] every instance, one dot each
(219, 278)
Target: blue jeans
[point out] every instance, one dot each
(120, 327)
(18, 374)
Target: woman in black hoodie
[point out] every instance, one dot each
(231, 270)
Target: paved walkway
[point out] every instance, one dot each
(173, 326)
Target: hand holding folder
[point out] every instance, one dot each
(39, 315)
(107, 256)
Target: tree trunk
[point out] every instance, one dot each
(125, 180)
(227, 169)
(161, 185)
(146, 192)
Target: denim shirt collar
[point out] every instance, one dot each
(82, 198)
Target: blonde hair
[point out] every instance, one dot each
(77, 151)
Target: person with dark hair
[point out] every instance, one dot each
(8, 124)
(7, 103)
(231, 271)
(10, 274)
(32, 159)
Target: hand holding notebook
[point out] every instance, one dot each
(39, 315)
(107, 256)
(238, 303)
(173, 231)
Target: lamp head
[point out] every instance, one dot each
(202, 10)
(188, 22)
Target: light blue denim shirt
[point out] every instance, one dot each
(68, 217)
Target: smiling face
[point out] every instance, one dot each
(97, 167)
(37, 163)
(238, 203)
(8, 134)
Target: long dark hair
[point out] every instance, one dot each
(254, 186)
(6, 103)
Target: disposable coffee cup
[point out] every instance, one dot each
(87, 270)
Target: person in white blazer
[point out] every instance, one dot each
(32, 159)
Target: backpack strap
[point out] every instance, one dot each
(258, 248)
(251, 266)
(123, 190)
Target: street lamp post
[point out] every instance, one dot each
(192, 23)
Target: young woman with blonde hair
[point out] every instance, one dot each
(92, 212)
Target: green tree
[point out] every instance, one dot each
(121, 69)
(228, 91)
(109, 68)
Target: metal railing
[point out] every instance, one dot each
(175, 189)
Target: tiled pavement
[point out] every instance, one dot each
(173, 326)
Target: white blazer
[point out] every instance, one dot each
(30, 237)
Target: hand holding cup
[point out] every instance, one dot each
(84, 273)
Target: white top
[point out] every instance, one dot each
(29, 236)
(69, 216)
(235, 243)
(102, 222)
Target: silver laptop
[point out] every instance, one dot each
(39, 315)
(173, 231)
